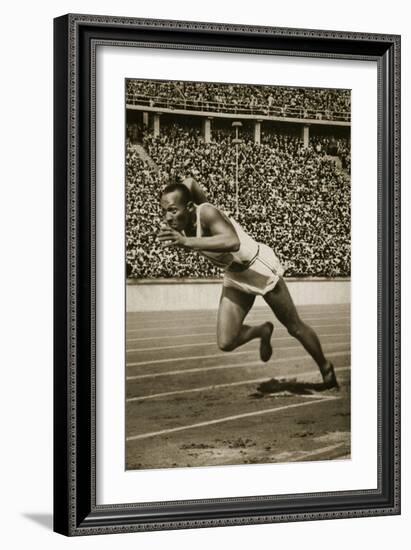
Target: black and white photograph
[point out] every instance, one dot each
(238, 274)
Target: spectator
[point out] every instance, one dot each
(319, 103)
(293, 199)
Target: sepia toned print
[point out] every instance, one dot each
(238, 260)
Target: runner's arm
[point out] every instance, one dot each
(197, 192)
(223, 237)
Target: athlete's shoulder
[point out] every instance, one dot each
(212, 217)
(209, 211)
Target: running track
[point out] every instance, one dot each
(190, 404)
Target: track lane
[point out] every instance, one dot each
(228, 381)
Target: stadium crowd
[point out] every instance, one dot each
(339, 147)
(318, 103)
(292, 198)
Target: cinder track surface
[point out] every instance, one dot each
(190, 404)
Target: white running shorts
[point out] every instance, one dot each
(260, 277)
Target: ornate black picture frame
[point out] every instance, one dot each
(75, 41)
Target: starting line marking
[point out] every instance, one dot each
(218, 386)
(230, 418)
(235, 366)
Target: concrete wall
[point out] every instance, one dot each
(175, 295)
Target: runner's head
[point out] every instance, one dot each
(177, 205)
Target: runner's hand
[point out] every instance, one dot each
(170, 237)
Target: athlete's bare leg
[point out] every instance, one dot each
(231, 332)
(281, 302)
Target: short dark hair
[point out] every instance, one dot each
(184, 191)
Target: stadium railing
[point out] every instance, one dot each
(236, 108)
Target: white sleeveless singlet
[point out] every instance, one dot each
(243, 257)
(253, 269)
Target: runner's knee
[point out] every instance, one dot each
(295, 329)
(226, 343)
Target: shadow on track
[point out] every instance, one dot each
(288, 387)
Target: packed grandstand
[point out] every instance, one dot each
(292, 196)
(306, 103)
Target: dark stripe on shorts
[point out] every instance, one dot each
(272, 269)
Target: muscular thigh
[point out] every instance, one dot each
(234, 306)
(280, 301)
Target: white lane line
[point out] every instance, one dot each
(163, 337)
(233, 353)
(214, 343)
(182, 315)
(219, 386)
(230, 418)
(235, 366)
(207, 343)
(171, 326)
(307, 454)
(193, 313)
(277, 328)
(172, 322)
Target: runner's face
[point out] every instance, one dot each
(176, 213)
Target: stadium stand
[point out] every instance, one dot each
(296, 199)
(286, 102)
